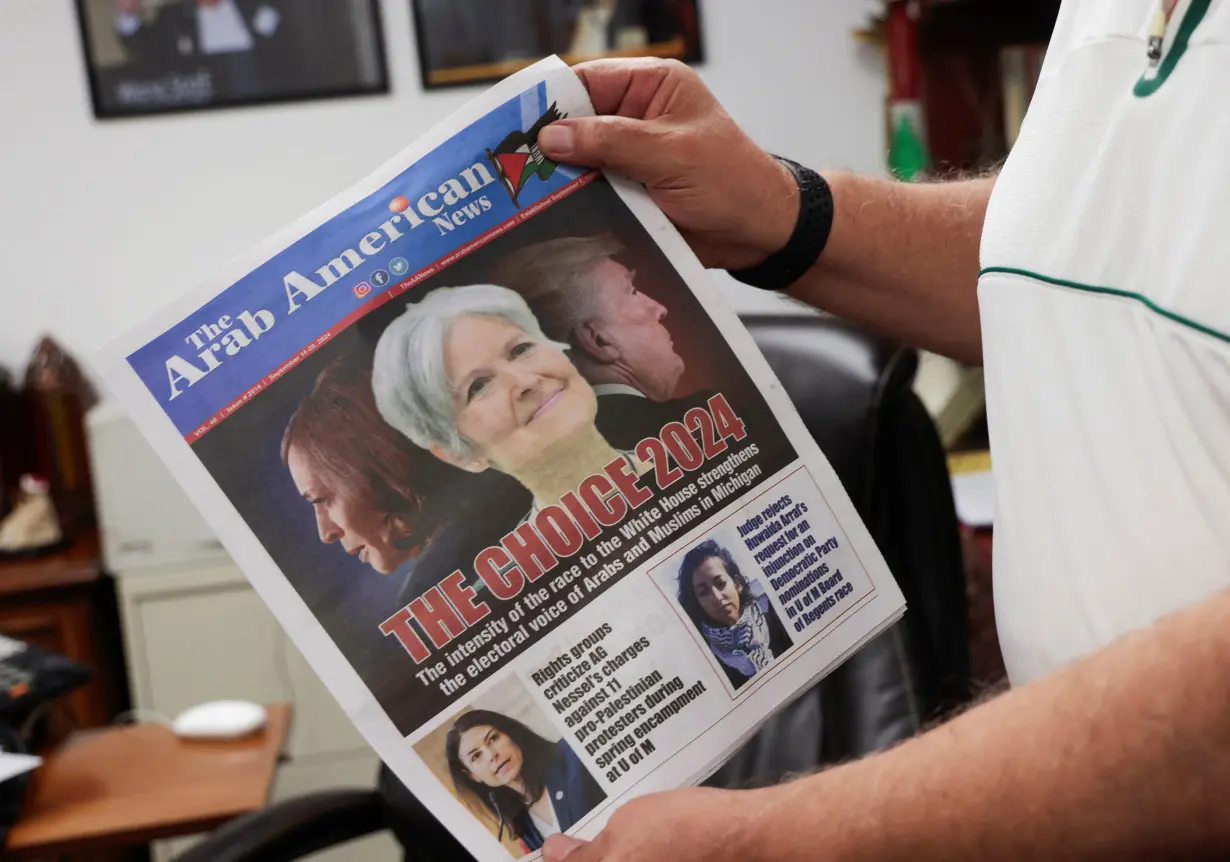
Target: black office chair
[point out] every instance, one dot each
(854, 393)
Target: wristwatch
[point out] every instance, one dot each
(811, 232)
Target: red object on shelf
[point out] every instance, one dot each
(904, 69)
(907, 147)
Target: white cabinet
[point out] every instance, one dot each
(199, 632)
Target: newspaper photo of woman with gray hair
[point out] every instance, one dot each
(468, 374)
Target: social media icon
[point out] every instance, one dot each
(380, 278)
(362, 289)
(398, 266)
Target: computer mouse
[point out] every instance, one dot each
(219, 719)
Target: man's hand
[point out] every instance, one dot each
(1123, 755)
(694, 825)
(661, 126)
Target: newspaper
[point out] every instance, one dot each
(512, 475)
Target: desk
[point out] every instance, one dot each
(64, 603)
(138, 783)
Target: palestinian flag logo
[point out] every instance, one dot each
(518, 158)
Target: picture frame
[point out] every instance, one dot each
(467, 42)
(149, 57)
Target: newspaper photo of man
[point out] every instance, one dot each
(583, 296)
(742, 629)
(468, 374)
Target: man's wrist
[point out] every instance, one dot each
(793, 257)
(780, 208)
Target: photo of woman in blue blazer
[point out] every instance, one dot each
(532, 787)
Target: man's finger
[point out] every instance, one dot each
(630, 147)
(560, 847)
(624, 87)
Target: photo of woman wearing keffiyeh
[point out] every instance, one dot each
(741, 628)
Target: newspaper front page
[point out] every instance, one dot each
(512, 475)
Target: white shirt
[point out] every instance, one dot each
(617, 389)
(1106, 333)
(546, 827)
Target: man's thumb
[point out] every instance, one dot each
(560, 847)
(622, 144)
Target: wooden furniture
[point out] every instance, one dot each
(197, 631)
(986, 657)
(132, 784)
(64, 603)
(194, 629)
(961, 44)
(977, 539)
(965, 68)
(956, 52)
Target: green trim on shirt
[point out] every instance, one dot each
(1109, 291)
(1191, 20)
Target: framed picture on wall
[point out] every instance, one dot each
(477, 41)
(157, 56)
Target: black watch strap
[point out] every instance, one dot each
(811, 233)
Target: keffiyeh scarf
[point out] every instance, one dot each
(745, 645)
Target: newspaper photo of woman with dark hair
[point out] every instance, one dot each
(742, 630)
(532, 788)
(391, 504)
(365, 482)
